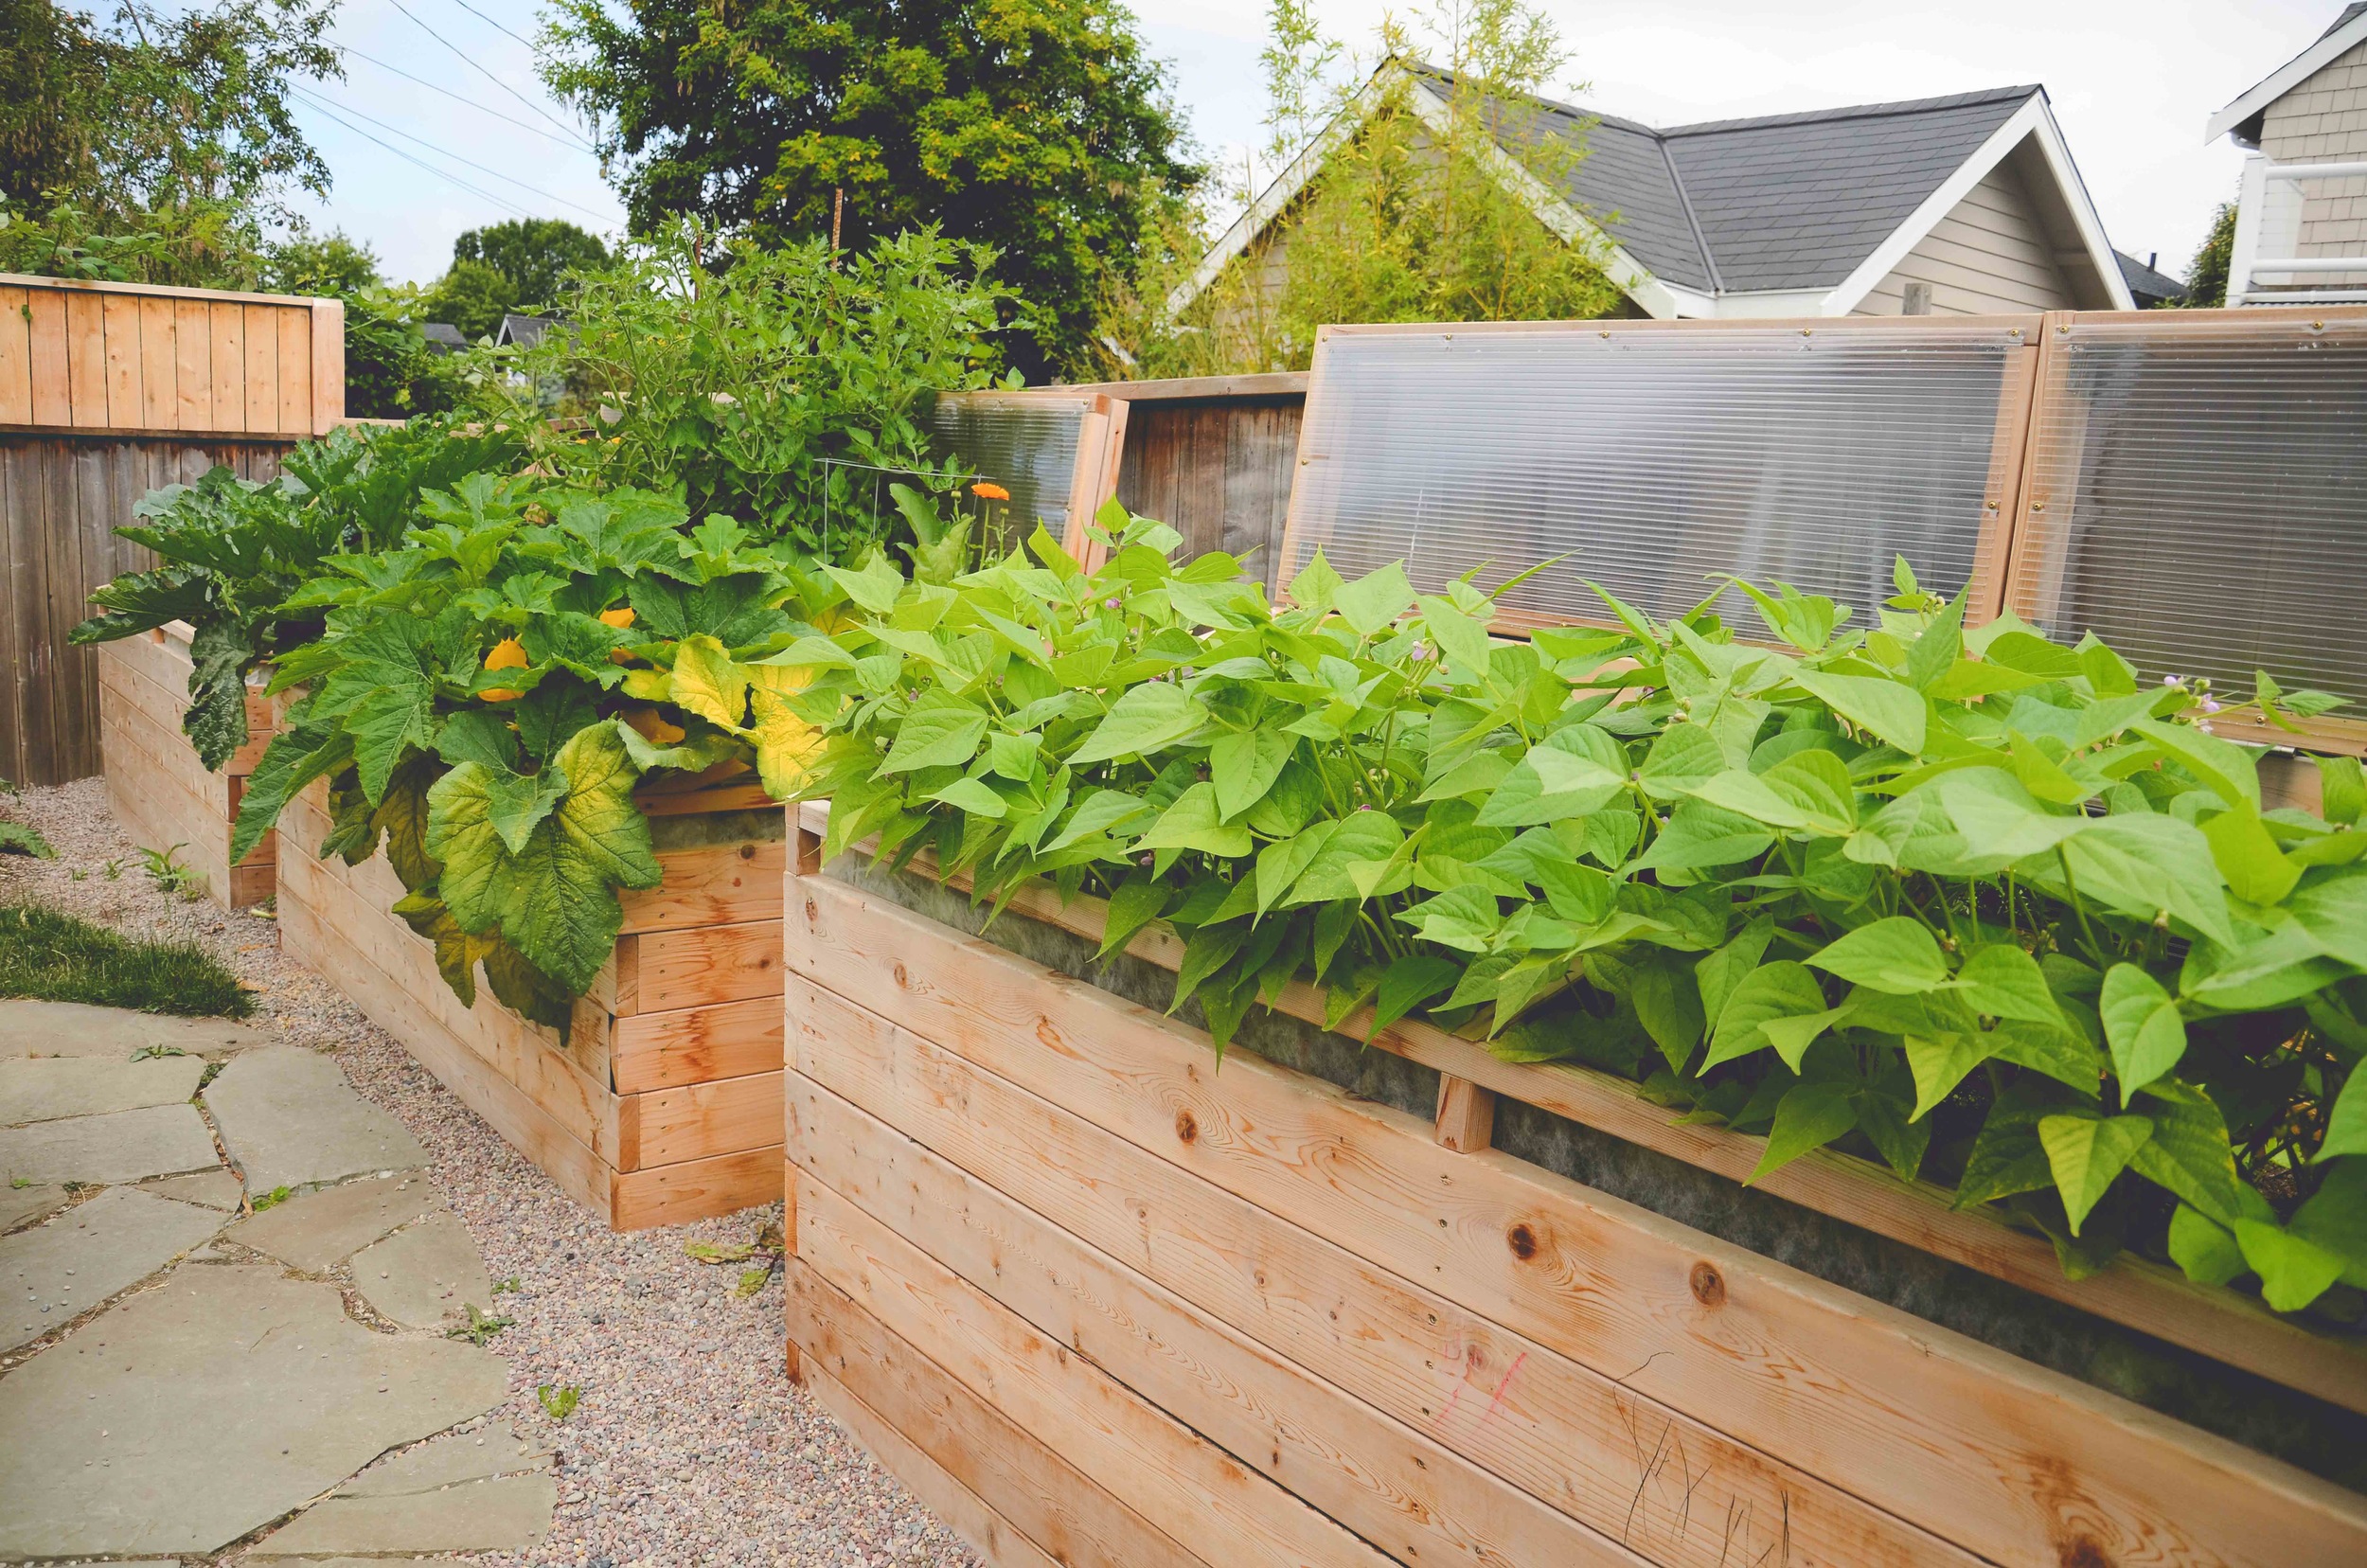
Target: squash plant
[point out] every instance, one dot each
(1968, 902)
(232, 551)
(486, 693)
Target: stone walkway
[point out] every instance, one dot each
(234, 1312)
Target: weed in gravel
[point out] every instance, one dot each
(113, 870)
(165, 869)
(508, 1286)
(17, 838)
(559, 1400)
(52, 956)
(480, 1328)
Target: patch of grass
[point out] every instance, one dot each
(50, 956)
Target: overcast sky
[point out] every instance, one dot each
(2131, 81)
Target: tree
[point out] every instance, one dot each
(471, 297)
(534, 254)
(2206, 276)
(1408, 220)
(156, 108)
(1040, 128)
(331, 263)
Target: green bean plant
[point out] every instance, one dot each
(1966, 902)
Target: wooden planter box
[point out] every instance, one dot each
(664, 1103)
(161, 793)
(1101, 1301)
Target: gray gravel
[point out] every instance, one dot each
(690, 1446)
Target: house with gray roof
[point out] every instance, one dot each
(2301, 214)
(1964, 205)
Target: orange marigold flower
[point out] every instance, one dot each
(988, 490)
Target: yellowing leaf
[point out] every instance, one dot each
(787, 747)
(708, 683)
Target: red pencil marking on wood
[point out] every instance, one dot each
(1510, 1372)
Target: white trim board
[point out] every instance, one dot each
(2034, 122)
(2287, 76)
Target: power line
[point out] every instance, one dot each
(471, 61)
(489, 22)
(502, 202)
(448, 152)
(460, 97)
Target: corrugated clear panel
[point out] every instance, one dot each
(1653, 459)
(1026, 445)
(2199, 495)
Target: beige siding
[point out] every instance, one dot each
(2323, 120)
(1987, 256)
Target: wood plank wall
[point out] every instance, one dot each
(1215, 469)
(62, 498)
(108, 391)
(128, 357)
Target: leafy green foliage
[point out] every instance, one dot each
(535, 255)
(752, 379)
(1041, 129)
(1965, 902)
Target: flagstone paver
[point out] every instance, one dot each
(288, 1119)
(424, 1274)
(54, 1272)
(20, 1203)
(213, 1189)
(44, 1088)
(122, 1145)
(227, 1397)
(72, 1029)
(483, 1516)
(314, 1231)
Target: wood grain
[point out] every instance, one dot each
(2152, 1298)
(1043, 1497)
(1669, 1488)
(688, 968)
(1395, 1487)
(1181, 1484)
(995, 1538)
(721, 1040)
(721, 884)
(2006, 1459)
(16, 357)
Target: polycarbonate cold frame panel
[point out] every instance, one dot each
(2199, 495)
(1028, 445)
(1656, 458)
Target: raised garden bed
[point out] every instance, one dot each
(663, 1103)
(1101, 1299)
(159, 789)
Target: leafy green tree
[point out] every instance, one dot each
(155, 107)
(473, 298)
(534, 254)
(331, 264)
(1409, 219)
(2206, 276)
(1038, 127)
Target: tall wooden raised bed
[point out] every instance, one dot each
(1102, 1300)
(663, 1103)
(160, 792)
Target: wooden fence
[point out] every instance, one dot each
(108, 391)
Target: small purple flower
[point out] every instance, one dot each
(2210, 706)
(1364, 807)
(1109, 604)
(1147, 859)
(1421, 649)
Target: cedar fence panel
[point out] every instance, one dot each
(108, 391)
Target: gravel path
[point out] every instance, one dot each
(690, 1446)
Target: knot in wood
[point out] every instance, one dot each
(747, 852)
(1522, 1241)
(2083, 1552)
(1709, 1286)
(1186, 1127)
(900, 981)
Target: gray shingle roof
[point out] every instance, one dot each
(1779, 202)
(2348, 11)
(2145, 282)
